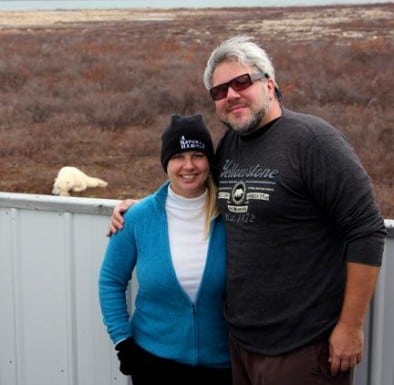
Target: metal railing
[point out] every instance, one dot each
(51, 331)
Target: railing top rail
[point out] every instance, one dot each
(57, 203)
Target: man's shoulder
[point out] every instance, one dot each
(308, 125)
(303, 118)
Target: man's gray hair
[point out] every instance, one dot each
(243, 50)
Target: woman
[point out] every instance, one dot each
(176, 242)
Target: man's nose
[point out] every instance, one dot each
(231, 93)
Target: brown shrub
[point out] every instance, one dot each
(96, 95)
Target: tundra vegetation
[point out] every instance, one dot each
(95, 92)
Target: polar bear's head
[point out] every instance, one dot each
(62, 187)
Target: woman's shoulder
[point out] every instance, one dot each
(147, 205)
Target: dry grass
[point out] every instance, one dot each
(93, 89)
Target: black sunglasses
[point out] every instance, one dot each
(237, 84)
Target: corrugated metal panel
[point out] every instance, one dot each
(382, 320)
(51, 330)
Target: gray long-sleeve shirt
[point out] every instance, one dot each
(297, 204)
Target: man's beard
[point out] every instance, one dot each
(253, 124)
(247, 128)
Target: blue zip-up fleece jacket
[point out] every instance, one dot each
(165, 322)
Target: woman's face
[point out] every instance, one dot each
(188, 173)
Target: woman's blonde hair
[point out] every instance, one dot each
(210, 208)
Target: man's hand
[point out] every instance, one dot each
(116, 220)
(346, 342)
(345, 348)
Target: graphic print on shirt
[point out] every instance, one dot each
(240, 186)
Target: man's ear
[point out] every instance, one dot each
(278, 94)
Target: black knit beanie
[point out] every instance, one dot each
(185, 133)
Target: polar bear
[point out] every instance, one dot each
(72, 179)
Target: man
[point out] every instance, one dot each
(305, 237)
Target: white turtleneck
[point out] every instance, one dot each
(186, 217)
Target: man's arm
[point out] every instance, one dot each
(116, 220)
(347, 339)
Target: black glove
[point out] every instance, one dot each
(125, 354)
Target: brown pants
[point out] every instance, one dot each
(305, 366)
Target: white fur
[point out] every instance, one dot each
(72, 179)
